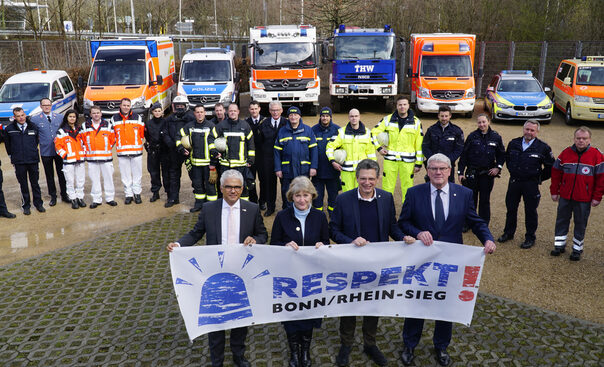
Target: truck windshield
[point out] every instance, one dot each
(364, 47)
(590, 75)
(205, 71)
(24, 92)
(285, 54)
(519, 85)
(118, 67)
(439, 65)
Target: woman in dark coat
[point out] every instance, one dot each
(300, 225)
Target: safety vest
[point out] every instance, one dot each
(98, 142)
(404, 145)
(69, 148)
(129, 134)
(357, 144)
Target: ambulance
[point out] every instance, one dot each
(579, 89)
(283, 62)
(208, 76)
(441, 72)
(141, 69)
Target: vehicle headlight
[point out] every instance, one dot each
(424, 92)
(547, 106)
(311, 84)
(88, 103)
(340, 90)
(138, 102)
(582, 99)
(226, 98)
(387, 90)
(259, 85)
(502, 105)
(470, 93)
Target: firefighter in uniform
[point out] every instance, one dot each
(240, 152)
(295, 152)
(327, 178)
(174, 123)
(530, 162)
(356, 140)
(203, 167)
(577, 185)
(158, 160)
(403, 155)
(444, 137)
(481, 161)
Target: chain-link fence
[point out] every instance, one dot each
(542, 58)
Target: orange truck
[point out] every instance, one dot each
(441, 72)
(141, 69)
(283, 62)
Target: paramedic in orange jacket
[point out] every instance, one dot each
(129, 133)
(69, 147)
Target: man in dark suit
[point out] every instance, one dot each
(254, 121)
(437, 210)
(361, 216)
(227, 221)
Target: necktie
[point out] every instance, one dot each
(439, 211)
(48, 117)
(22, 129)
(232, 228)
(274, 124)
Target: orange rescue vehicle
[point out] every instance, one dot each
(441, 72)
(141, 69)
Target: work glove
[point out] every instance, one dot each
(213, 176)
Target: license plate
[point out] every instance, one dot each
(286, 95)
(523, 114)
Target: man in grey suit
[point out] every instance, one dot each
(48, 123)
(227, 221)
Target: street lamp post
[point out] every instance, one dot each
(132, 14)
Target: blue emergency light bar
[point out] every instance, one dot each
(517, 72)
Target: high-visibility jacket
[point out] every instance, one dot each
(98, 142)
(404, 144)
(240, 143)
(69, 145)
(578, 176)
(201, 137)
(295, 151)
(129, 134)
(357, 144)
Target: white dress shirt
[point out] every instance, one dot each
(225, 220)
(444, 196)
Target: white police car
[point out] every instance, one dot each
(517, 95)
(25, 90)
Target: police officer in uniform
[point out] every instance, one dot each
(481, 161)
(254, 121)
(3, 209)
(327, 178)
(158, 161)
(444, 137)
(203, 166)
(530, 162)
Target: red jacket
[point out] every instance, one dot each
(129, 134)
(578, 177)
(69, 146)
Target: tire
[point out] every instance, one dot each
(568, 116)
(468, 115)
(389, 105)
(336, 105)
(313, 110)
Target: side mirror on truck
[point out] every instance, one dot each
(159, 81)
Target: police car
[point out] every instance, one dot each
(25, 90)
(517, 95)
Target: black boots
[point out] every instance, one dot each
(299, 348)
(293, 340)
(306, 338)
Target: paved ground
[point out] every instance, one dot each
(109, 301)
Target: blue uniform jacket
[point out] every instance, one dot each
(22, 147)
(482, 151)
(535, 163)
(48, 131)
(448, 142)
(286, 228)
(295, 151)
(324, 135)
(345, 223)
(416, 215)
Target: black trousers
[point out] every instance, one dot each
(412, 333)
(216, 341)
(158, 165)
(48, 162)
(268, 181)
(174, 173)
(3, 208)
(528, 191)
(23, 171)
(482, 196)
(349, 323)
(202, 188)
(333, 186)
(253, 192)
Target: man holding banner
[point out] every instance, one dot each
(228, 221)
(451, 206)
(361, 216)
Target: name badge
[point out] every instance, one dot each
(535, 156)
(31, 133)
(493, 144)
(451, 138)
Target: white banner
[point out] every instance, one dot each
(223, 287)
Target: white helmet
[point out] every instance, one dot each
(339, 156)
(186, 142)
(383, 138)
(180, 99)
(220, 144)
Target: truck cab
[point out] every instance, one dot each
(208, 76)
(363, 63)
(441, 72)
(284, 66)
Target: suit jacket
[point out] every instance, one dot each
(210, 224)
(416, 215)
(287, 228)
(345, 223)
(48, 131)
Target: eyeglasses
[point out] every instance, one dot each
(229, 187)
(438, 169)
(46, 105)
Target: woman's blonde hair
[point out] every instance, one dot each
(298, 184)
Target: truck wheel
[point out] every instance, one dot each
(336, 105)
(312, 110)
(468, 115)
(389, 105)
(568, 116)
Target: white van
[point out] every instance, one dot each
(208, 76)
(25, 90)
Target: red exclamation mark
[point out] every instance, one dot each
(469, 280)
